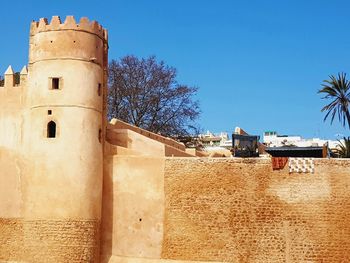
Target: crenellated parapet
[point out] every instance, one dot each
(84, 41)
(56, 24)
(12, 90)
(10, 80)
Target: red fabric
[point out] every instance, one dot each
(279, 163)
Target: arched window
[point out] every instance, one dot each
(51, 129)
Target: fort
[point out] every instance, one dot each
(75, 188)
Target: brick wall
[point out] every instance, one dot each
(49, 240)
(239, 210)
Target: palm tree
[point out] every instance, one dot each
(344, 148)
(337, 88)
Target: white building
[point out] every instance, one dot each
(214, 139)
(215, 142)
(272, 139)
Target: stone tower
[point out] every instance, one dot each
(64, 135)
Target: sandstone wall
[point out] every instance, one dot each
(240, 210)
(11, 117)
(133, 207)
(135, 142)
(11, 168)
(58, 240)
(11, 138)
(38, 240)
(190, 209)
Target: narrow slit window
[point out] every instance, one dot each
(55, 83)
(51, 129)
(99, 135)
(99, 89)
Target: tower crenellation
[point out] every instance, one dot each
(68, 40)
(23, 75)
(9, 77)
(69, 24)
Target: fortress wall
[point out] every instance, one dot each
(11, 168)
(119, 125)
(11, 97)
(12, 165)
(61, 241)
(62, 229)
(11, 119)
(135, 142)
(133, 207)
(239, 210)
(11, 160)
(63, 177)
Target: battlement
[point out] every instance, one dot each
(12, 79)
(84, 25)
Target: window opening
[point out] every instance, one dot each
(49, 112)
(99, 91)
(99, 135)
(55, 83)
(51, 129)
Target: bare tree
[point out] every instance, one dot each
(145, 93)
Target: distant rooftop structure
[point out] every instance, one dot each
(244, 145)
(273, 139)
(210, 139)
(301, 152)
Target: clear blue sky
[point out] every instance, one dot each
(258, 64)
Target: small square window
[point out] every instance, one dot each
(55, 83)
(49, 112)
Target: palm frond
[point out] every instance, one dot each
(337, 89)
(344, 148)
